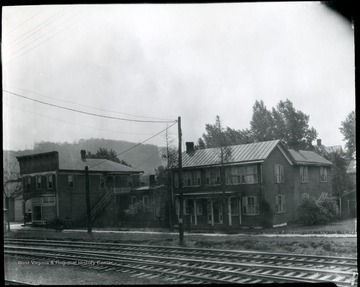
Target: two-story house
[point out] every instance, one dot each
(55, 186)
(225, 187)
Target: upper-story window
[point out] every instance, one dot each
(241, 175)
(28, 183)
(279, 173)
(38, 182)
(280, 203)
(323, 174)
(70, 180)
(304, 174)
(189, 178)
(146, 204)
(102, 181)
(213, 176)
(49, 180)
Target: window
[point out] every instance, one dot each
(279, 173)
(251, 174)
(250, 205)
(102, 181)
(49, 181)
(38, 182)
(303, 174)
(186, 179)
(70, 180)
(234, 203)
(280, 203)
(191, 178)
(28, 183)
(305, 196)
(213, 176)
(187, 207)
(48, 201)
(323, 174)
(176, 179)
(199, 207)
(241, 175)
(146, 201)
(233, 175)
(196, 178)
(133, 200)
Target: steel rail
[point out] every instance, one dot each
(171, 269)
(211, 265)
(227, 254)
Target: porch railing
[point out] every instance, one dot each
(99, 207)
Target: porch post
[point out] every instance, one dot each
(212, 212)
(195, 213)
(240, 210)
(229, 210)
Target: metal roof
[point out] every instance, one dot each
(308, 157)
(238, 153)
(94, 164)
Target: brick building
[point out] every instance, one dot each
(226, 187)
(55, 187)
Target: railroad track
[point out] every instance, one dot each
(190, 265)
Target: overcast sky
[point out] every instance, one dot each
(158, 62)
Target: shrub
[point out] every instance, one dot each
(310, 213)
(58, 224)
(323, 210)
(328, 206)
(266, 214)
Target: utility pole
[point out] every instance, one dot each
(181, 207)
(87, 193)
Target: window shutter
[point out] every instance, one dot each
(244, 205)
(256, 203)
(277, 203)
(282, 173)
(283, 203)
(275, 179)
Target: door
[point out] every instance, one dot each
(36, 213)
(217, 210)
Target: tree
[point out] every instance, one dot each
(262, 122)
(12, 185)
(349, 132)
(284, 122)
(291, 126)
(217, 136)
(103, 153)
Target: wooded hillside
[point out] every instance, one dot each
(145, 157)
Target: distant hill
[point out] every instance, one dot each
(145, 157)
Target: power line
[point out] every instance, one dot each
(41, 42)
(135, 146)
(104, 110)
(23, 22)
(66, 122)
(35, 29)
(88, 113)
(157, 153)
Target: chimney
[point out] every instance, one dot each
(318, 142)
(189, 147)
(152, 181)
(83, 154)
